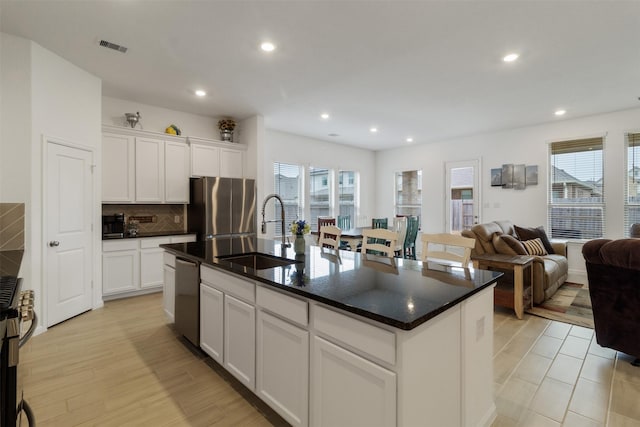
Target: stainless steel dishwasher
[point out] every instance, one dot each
(187, 311)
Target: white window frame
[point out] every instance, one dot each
(628, 205)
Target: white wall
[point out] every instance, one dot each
(156, 119)
(57, 100)
(296, 149)
(528, 146)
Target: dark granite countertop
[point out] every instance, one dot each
(398, 292)
(151, 234)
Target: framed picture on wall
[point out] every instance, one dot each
(496, 177)
(531, 175)
(518, 177)
(507, 176)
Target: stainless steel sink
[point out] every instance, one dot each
(257, 261)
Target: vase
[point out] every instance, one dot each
(226, 135)
(299, 244)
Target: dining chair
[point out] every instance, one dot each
(371, 237)
(329, 237)
(409, 246)
(400, 227)
(325, 220)
(461, 246)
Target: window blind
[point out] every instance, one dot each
(632, 180)
(576, 208)
(348, 196)
(320, 195)
(288, 183)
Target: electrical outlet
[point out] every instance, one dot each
(176, 219)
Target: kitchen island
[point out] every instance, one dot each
(332, 338)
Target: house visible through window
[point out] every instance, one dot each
(288, 183)
(632, 178)
(347, 197)
(408, 193)
(576, 189)
(319, 195)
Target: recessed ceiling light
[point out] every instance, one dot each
(200, 92)
(268, 46)
(373, 130)
(333, 134)
(511, 57)
(325, 116)
(409, 139)
(560, 112)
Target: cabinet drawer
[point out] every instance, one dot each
(283, 305)
(183, 239)
(170, 259)
(154, 242)
(367, 338)
(231, 285)
(120, 245)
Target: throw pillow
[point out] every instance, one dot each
(508, 245)
(532, 233)
(534, 247)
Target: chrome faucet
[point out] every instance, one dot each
(264, 223)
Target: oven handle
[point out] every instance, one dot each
(32, 328)
(24, 406)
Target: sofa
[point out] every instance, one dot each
(613, 270)
(550, 270)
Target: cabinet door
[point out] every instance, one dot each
(151, 271)
(231, 163)
(169, 292)
(240, 340)
(176, 172)
(205, 160)
(368, 400)
(120, 271)
(211, 322)
(118, 181)
(149, 170)
(283, 382)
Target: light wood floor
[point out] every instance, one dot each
(122, 365)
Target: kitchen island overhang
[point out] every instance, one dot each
(426, 328)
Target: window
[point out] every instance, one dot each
(348, 196)
(288, 184)
(319, 195)
(409, 193)
(632, 178)
(576, 197)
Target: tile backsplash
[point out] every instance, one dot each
(163, 217)
(11, 226)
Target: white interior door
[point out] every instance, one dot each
(463, 195)
(69, 184)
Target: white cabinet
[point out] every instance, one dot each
(120, 267)
(240, 340)
(347, 389)
(176, 172)
(149, 170)
(118, 168)
(169, 289)
(212, 322)
(283, 368)
(209, 159)
(135, 266)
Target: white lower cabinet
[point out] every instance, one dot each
(212, 322)
(347, 389)
(169, 289)
(240, 340)
(120, 267)
(152, 261)
(283, 368)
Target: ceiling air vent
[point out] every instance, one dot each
(113, 46)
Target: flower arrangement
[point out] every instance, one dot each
(227, 124)
(300, 227)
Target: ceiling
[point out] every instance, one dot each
(425, 69)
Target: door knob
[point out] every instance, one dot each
(54, 243)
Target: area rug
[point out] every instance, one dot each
(570, 304)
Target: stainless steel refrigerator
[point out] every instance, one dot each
(222, 207)
(219, 208)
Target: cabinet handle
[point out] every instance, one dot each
(54, 243)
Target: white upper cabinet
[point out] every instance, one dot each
(118, 168)
(212, 158)
(149, 170)
(231, 163)
(205, 160)
(176, 172)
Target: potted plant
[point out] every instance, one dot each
(299, 228)
(226, 127)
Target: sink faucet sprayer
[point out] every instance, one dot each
(264, 223)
